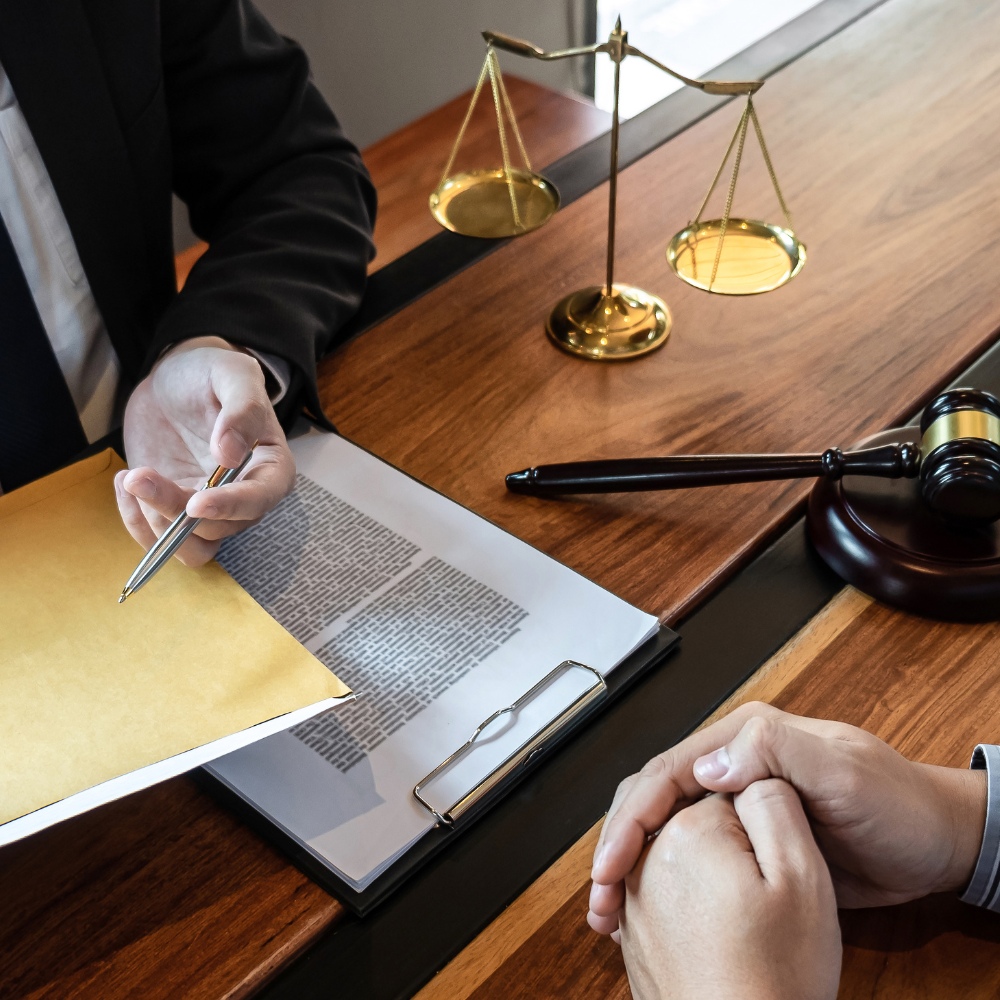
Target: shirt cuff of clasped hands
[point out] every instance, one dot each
(984, 888)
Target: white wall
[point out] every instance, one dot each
(382, 63)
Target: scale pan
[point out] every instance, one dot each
(756, 256)
(477, 202)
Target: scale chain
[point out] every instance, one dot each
(718, 173)
(767, 161)
(744, 122)
(468, 117)
(494, 70)
(513, 120)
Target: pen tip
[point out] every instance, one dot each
(121, 600)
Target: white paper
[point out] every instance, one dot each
(152, 774)
(440, 619)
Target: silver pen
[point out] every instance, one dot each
(172, 539)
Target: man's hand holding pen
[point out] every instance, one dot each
(203, 405)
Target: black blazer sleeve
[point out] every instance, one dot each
(271, 183)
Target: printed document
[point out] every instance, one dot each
(435, 618)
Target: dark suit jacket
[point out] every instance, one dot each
(130, 99)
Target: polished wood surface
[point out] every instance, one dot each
(406, 165)
(162, 894)
(552, 902)
(927, 688)
(884, 139)
(881, 151)
(552, 124)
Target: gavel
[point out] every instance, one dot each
(957, 460)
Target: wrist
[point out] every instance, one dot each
(194, 343)
(962, 798)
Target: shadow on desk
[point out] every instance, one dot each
(915, 924)
(909, 952)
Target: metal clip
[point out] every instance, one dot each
(523, 754)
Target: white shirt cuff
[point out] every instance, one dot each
(984, 887)
(280, 371)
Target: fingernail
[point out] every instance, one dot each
(143, 489)
(713, 766)
(209, 511)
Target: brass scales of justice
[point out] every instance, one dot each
(727, 255)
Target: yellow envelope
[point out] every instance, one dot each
(91, 689)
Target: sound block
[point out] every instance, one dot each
(880, 537)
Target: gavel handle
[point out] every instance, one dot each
(633, 475)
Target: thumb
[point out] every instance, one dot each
(776, 826)
(246, 414)
(766, 747)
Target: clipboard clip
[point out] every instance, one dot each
(544, 737)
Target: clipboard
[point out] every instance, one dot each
(516, 770)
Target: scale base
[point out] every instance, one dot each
(756, 256)
(880, 536)
(626, 324)
(478, 202)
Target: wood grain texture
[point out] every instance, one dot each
(406, 165)
(930, 690)
(165, 895)
(161, 894)
(554, 897)
(884, 139)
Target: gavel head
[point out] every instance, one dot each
(960, 455)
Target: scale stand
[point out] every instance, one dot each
(613, 321)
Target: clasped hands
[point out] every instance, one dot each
(734, 894)
(203, 404)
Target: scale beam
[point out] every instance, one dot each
(722, 87)
(616, 321)
(519, 47)
(618, 50)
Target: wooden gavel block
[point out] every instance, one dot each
(881, 536)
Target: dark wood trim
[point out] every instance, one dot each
(439, 910)
(433, 916)
(428, 265)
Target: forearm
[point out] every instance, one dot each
(285, 269)
(271, 183)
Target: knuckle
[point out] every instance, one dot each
(761, 710)
(684, 829)
(765, 791)
(762, 732)
(654, 768)
(852, 784)
(626, 784)
(247, 365)
(255, 410)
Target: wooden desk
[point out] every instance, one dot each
(884, 139)
(927, 688)
(406, 166)
(877, 322)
